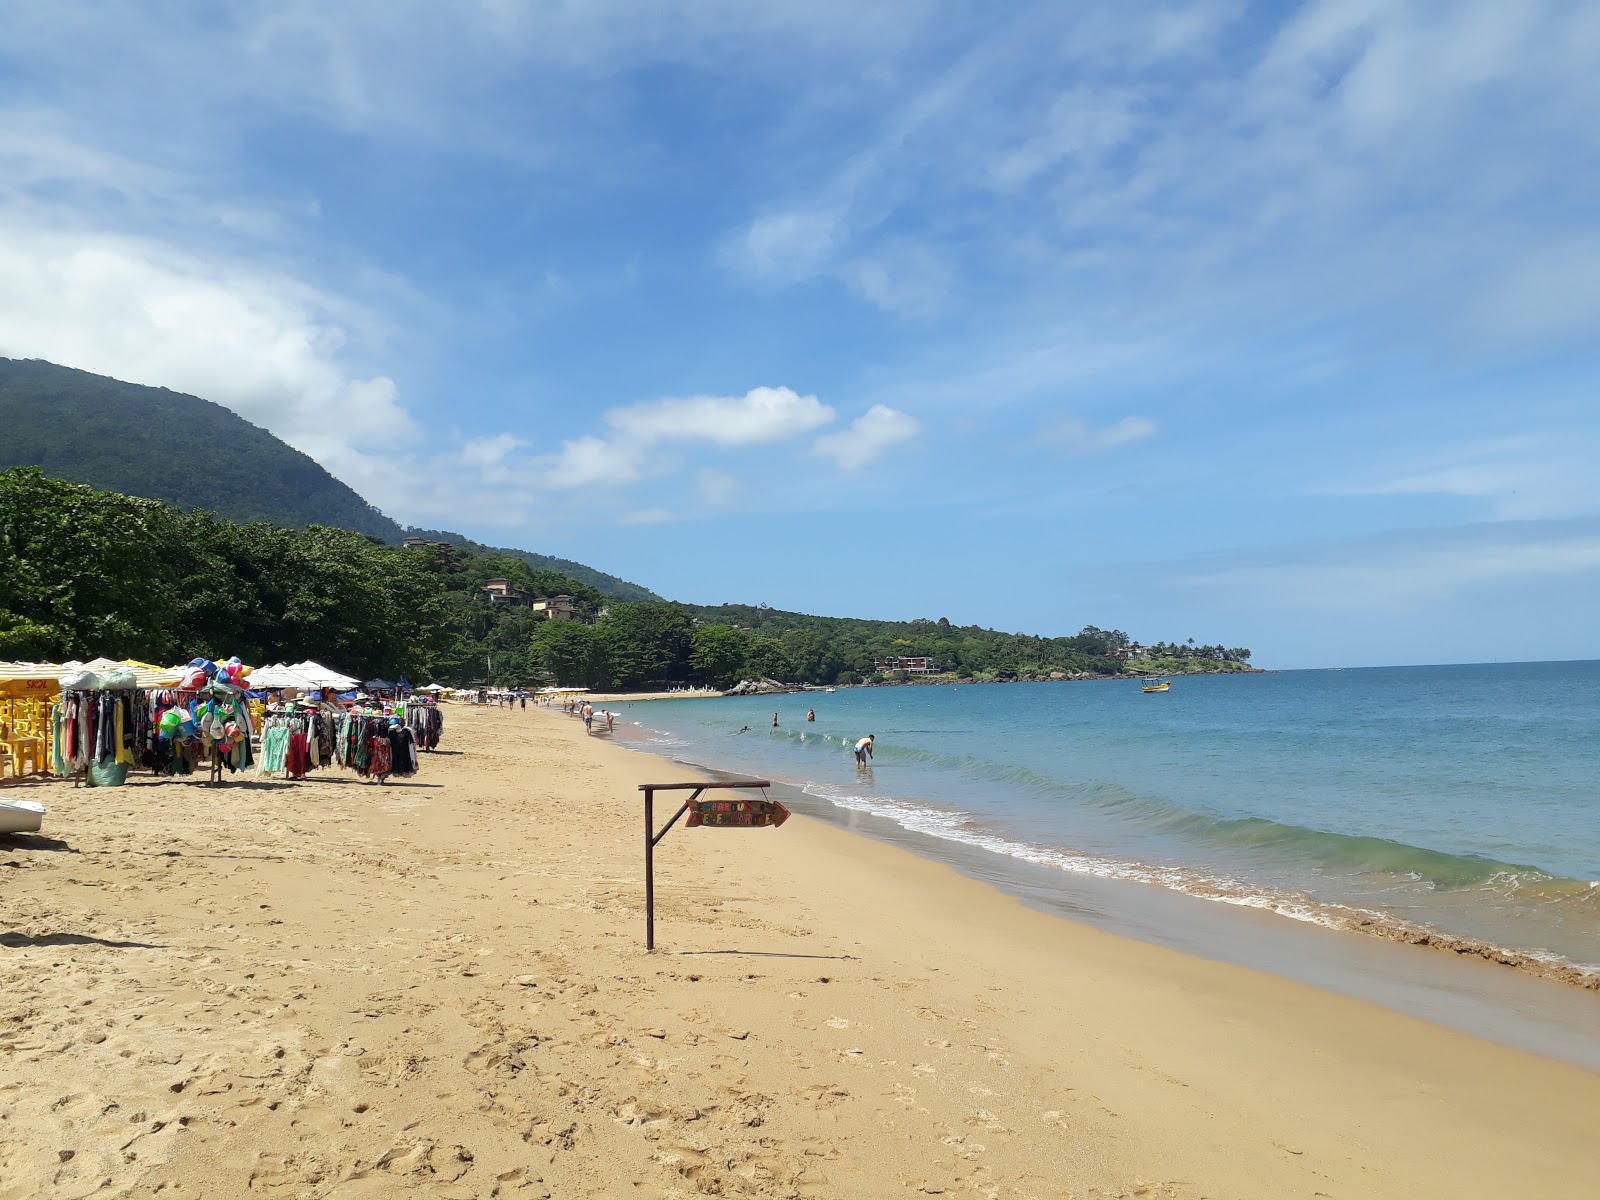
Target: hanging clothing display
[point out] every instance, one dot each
(95, 728)
(295, 742)
(372, 744)
(426, 723)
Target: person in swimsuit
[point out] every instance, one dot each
(811, 714)
(864, 749)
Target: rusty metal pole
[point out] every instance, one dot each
(649, 868)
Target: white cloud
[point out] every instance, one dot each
(595, 462)
(264, 345)
(490, 451)
(869, 436)
(1077, 436)
(763, 414)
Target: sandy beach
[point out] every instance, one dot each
(332, 989)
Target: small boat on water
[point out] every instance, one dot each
(1164, 686)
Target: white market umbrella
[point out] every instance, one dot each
(321, 676)
(279, 676)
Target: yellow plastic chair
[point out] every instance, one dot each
(27, 755)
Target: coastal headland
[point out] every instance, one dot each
(332, 989)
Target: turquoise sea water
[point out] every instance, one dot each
(1465, 799)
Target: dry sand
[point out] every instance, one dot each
(338, 990)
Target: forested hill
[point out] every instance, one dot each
(164, 445)
(146, 441)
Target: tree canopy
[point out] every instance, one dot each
(85, 573)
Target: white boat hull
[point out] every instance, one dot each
(21, 816)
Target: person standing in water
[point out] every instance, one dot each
(811, 714)
(864, 749)
(774, 720)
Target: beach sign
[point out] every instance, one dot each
(735, 814)
(739, 813)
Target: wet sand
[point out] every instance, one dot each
(332, 989)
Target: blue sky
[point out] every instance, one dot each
(1269, 324)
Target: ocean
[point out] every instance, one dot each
(1458, 805)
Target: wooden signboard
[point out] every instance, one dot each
(707, 814)
(735, 814)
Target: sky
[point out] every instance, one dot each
(1270, 324)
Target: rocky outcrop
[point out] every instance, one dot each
(759, 687)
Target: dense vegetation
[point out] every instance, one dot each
(145, 441)
(86, 573)
(606, 585)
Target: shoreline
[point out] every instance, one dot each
(334, 990)
(1378, 967)
(1292, 907)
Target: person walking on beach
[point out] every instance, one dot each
(524, 700)
(588, 718)
(611, 721)
(864, 749)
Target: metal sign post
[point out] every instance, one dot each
(705, 814)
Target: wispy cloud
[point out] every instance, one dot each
(1077, 436)
(1402, 573)
(1524, 477)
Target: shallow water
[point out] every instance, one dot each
(1462, 799)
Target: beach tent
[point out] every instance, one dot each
(280, 676)
(379, 685)
(321, 676)
(432, 687)
(144, 674)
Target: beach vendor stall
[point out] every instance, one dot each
(27, 690)
(102, 724)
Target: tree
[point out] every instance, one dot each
(572, 652)
(719, 654)
(767, 660)
(648, 643)
(83, 573)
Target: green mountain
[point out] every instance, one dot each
(146, 441)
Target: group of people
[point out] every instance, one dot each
(504, 699)
(863, 747)
(579, 707)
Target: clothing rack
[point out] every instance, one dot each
(426, 723)
(296, 741)
(376, 745)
